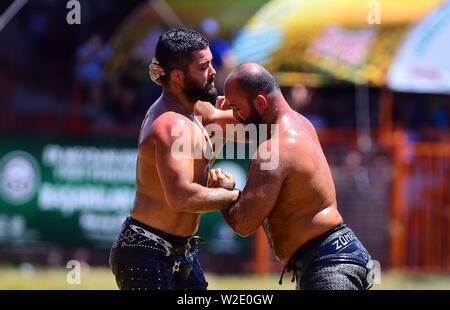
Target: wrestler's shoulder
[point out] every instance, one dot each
(169, 119)
(167, 125)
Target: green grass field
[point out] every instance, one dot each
(101, 278)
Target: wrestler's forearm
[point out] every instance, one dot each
(230, 218)
(234, 219)
(212, 115)
(209, 199)
(206, 111)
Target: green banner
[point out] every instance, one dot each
(76, 191)
(64, 191)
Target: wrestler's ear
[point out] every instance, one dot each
(177, 76)
(260, 103)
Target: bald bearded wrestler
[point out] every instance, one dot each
(296, 200)
(155, 248)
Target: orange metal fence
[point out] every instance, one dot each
(420, 209)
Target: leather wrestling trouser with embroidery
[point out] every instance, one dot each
(335, 260)
(144, 258)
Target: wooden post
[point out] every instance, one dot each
(262, 253)
(385, 118)
(397, 247)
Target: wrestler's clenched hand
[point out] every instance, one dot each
(217, 178)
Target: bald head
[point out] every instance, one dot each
(254, 80)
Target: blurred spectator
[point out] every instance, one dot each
(300, 98)
(223, 60)
(90, 58)
(438, 116)
(89, 72)
(126, 106)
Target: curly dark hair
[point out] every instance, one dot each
(174, 49)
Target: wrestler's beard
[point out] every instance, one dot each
(196, 92)
(254, 117)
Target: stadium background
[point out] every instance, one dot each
(73, 97)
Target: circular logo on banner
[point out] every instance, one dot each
(19, 177)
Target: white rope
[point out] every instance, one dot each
(166, 13)
(10, 12)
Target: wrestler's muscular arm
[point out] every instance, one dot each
(257, 200)
(177, 174)
(221, 115)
